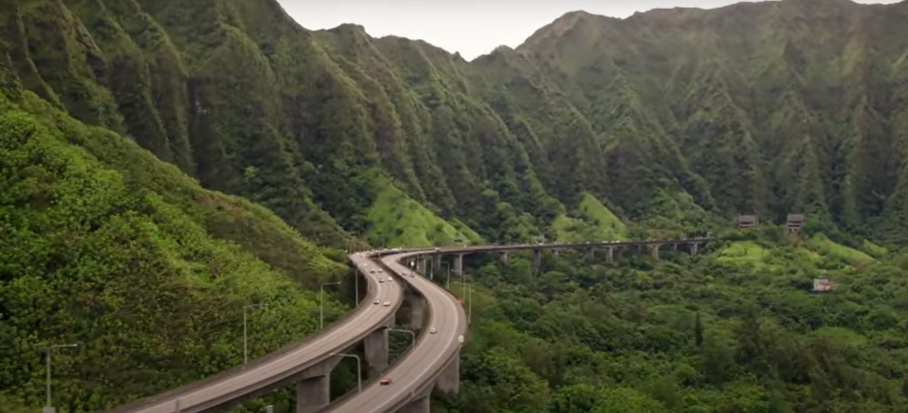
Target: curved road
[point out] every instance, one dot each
(417, 370)
(425, 360)
(279, 367)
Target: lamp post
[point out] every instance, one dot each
(245, 336)
(359, 369)
(412, 334)
(49, 349)
(321, 304)
(470, 307)
(463, 279)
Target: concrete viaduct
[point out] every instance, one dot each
(433, 362)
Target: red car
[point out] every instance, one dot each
(385, 382)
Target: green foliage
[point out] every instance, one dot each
(735, 330)
(594, 223)
(850, 255)
(399, 221)
(146, 280)
(663, 131)
(662, 125)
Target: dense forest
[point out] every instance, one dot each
(166, 163)
(736, 330)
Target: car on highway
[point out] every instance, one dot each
(385, 381)
(372, 271)
(432, 330)
(380, 271)
(375, 302)
(387, 303)
(381, 280)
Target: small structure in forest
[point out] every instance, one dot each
(748, 221)
(795, 221)
(822, 285)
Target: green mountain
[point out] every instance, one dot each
(768, 108)
(231, 152)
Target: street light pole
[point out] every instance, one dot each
(359, 369)
(245, 337)
(463, 279)
(412, 335)
(321, 304)
(470, 307)
(49, 350)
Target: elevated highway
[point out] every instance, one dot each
(433, 362)
(306, 363)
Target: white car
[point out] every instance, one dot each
(380, 271)
(381, 280)
(372, 271)
(432, 330)
(375, 302)
(387, 303)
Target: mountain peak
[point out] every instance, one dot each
(350, 27)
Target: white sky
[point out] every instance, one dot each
(471, 27)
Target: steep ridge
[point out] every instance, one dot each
(106, 246)
(664, 101)
(802, 99)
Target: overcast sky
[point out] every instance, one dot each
(471, 27)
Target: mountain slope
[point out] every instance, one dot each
(669, 121)
(106, 246)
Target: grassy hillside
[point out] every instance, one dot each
(593, 222)
(106, 246)
(399, 221)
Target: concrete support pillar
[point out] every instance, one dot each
(458, 264)
(417, 308)
(675, 247)
(610, 255)
(313, 391)
(421, 265)
(436, 263)
(313, 394)
(591, 255)
(419, 405)
(449, 380)
(693, 248)
(375, 347)
(654, 251)
(537, 258)
(503, 257)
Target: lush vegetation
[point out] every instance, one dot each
(165, 162)
(767, 108)
(105, 246)
(736, 329)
